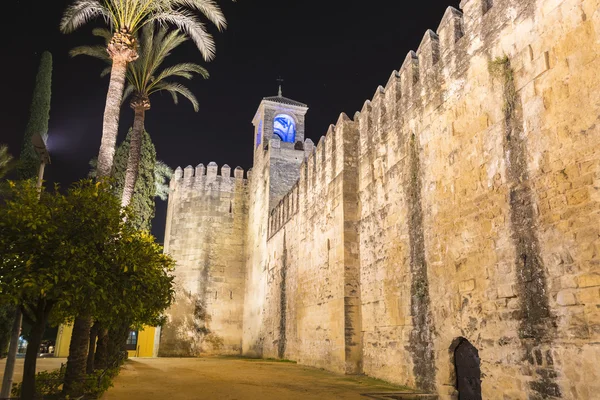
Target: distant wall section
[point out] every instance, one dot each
(310, 307)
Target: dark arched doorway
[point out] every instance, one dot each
(468, 371)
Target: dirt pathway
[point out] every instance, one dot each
(235, 379)
(43, 364)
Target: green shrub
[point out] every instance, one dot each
(47, 384)
(99, 382)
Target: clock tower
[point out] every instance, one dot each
(279, 143)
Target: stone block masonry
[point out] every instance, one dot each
(206, 223)
(457, 213)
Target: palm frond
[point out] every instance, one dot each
(98, 52)
(183, 70)
(191, 25)
(103, 33)
(176, 89)
(106, 71)
(162, 176)
(134, 14)
(209, 8)
(127, 92)
(163, 44)
(146, 41)
(81, 12)
(134, 75)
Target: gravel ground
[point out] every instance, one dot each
(235, 379)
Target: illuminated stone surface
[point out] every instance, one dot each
(461, 202)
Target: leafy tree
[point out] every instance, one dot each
(110, 339)
(145, 76)
(141, 282)
(7, 310)
(125, 18)
(48, 247)
(68, 255)
(39, 114)
(153, 182)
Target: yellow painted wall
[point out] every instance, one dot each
(145, 344)
(63, 338)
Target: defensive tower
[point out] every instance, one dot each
(279, 143)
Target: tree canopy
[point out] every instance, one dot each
(147, 75)
(64, 255)
(128, 16)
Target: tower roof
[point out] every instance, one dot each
(285, 100)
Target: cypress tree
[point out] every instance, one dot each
(39, 114)
(142, 202)
(152, 180)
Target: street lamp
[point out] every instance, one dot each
(39, 144)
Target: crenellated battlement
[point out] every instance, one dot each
(284, 211)
(208, 178)
(321, 166)
(431, 75)
(450, 30)
(440, 57)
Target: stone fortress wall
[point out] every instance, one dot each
(460, 205)
(205, 233)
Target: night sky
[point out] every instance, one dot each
(332, 55)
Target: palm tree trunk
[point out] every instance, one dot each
(117, 342)
(135, 152)
(112, 109)
(92, 347)
(33, 346)
(101, 357)
(77, 360)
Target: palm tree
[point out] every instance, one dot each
(125, 18)
(145, 77)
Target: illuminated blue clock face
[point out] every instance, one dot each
(285, 127)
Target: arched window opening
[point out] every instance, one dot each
(284, 126)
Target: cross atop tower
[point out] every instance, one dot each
(280, 81)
